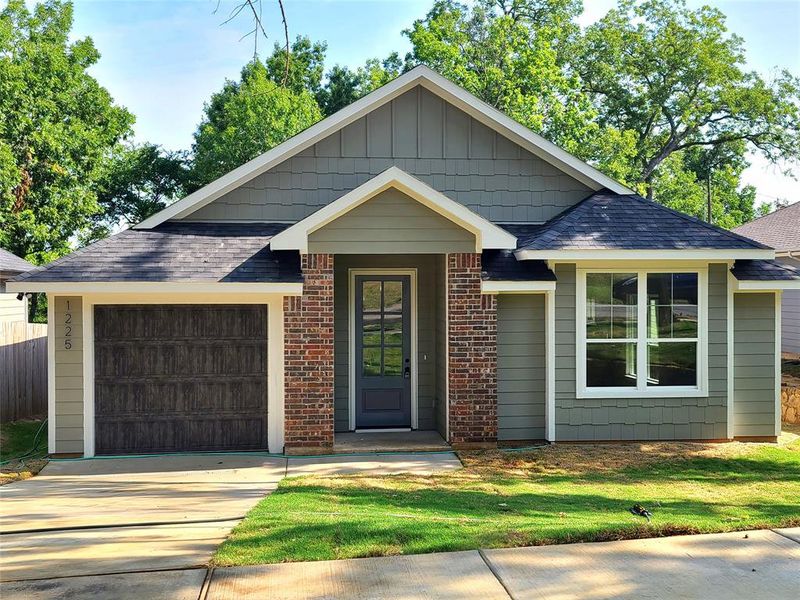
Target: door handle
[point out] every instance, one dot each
(407, 370)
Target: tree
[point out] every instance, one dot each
(674, 78)
(514, 55)
(139, 181)
(245, 119)
(57, 126)
(344, 86)
(306, 66)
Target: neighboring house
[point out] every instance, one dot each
(416, 261)
(12, 309)
(781, 230)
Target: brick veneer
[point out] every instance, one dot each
(308, 360)
(472, 337)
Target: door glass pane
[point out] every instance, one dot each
(392, 295)
(611, 365)
(672, 363)
(371, 296)
(393, 329)
(392, 361)
(372, 330)
(371, 362)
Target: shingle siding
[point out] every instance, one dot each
(640, 418)
(521, 370)
(426, 137)
(754, 364)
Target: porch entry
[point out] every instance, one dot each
(383, 365)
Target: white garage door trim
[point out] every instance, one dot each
(275, 368)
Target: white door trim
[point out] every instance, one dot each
(351, 340)
(51, 374)
(87, 307)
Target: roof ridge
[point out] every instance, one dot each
(696, 221)
(795, 204)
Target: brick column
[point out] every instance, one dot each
(308, 360)
(472, 337)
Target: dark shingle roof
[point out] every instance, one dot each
(764, 270)
(11, 263)
(500, 265)
(780, 229)
(609, 221)
(205, 252)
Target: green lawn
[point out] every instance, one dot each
(560, 494)
(17, 439)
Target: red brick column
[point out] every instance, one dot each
(308, 360)
(472, 336)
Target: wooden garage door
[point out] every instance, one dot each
(176, 378)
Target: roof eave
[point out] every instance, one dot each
(570, 255)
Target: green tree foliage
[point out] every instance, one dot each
(306, 66)
(245, 119)
(344, 86)
(57, 126)
(675, 79)
(139, 181)
(513, 55)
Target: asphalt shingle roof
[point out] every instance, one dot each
(500, 265)
(764, 270)
(11, 263)
(174, 251)
(609, 221)
(780, 229)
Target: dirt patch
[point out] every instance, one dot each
(19, 470)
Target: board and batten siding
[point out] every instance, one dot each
(754, 364)
(68, 317)
(586, 419)
(423, 135)
(521, 372)
(391, 223)
(426, 331)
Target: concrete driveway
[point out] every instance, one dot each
(104, 516)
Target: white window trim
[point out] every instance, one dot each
(641, 390)
(351, 342)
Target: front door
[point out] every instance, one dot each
(383, 351)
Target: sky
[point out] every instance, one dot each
(163, 59)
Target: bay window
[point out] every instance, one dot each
(640, 333)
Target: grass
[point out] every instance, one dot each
(17, 439)
(554, 495)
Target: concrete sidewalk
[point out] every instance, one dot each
(730, 566)
(100, 516)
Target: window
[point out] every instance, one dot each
(640, 333)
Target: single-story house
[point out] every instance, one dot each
(781, 230)
(12, 308)
(416, 261)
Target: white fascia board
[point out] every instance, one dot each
(517, 287)
(487, 234)
(710, 255)
(433, 82)
(155, 287)
(767, 285)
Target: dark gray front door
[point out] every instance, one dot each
(383, 351)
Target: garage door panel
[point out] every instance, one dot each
(180, 377)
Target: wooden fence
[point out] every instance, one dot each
(23, 371)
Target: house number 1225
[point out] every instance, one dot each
(68, 328)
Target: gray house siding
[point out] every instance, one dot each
(426, 330)
(790, 316)
(426, 137)
(754, 364)
(69, 374)
(640, 418)
(521, 371)
(391, 223)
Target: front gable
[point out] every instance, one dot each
(426, 126)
